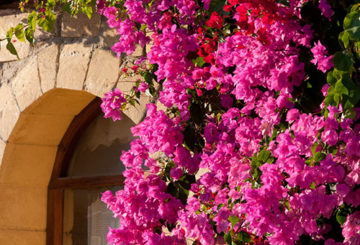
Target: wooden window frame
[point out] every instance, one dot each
(59, 182)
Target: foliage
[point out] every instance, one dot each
(264, 95)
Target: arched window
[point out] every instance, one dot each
(87, 164)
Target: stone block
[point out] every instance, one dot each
(47, 59)
(103, 72)
(9, 111)
(32, 167)
(125, 86)
(109, 35)
(6, 22)
(80, 25)
(40, 129)
(137, 113)
(26, 84)
(73, 64)
(18, 237)
(138, 51)
(23, 208)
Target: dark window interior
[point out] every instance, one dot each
(9, 4)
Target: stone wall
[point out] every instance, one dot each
(39, 97)
(76, 55)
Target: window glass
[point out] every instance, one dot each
(86, 217)
(99, 148)
(97, 153)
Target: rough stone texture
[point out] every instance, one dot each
(125, 86)
(33, 166)
(47, 59)
(16, 237)
(138, 51)
(137, 113)
(109, 35)
(80, 25)
(9, 111)
(103, 72)
(26, 84)
(73, 64)
(9, 70)
(6, 22)
(26, 211)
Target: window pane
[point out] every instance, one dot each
(99, 148)
(86, 218)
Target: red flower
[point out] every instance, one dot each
(215, 21)
(227, 8)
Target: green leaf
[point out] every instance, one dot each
(228, 239)
(319, 156)
(148, 77)
(340, 88)
(329, 99)
(29, 35)
(11, 48)
(344, 38)
(217, 6)
(354, 95)
(341, 217)
(233, 220)
(314, 147)
(264, 155)
(342, 61)
(199, 61)
(287, 204)
(312, 186)
(10, 34)
(19, 32)
(352, 25)
(87, 10)
(32, 20)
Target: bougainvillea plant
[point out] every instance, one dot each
(260, 139)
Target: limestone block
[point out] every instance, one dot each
(61, 102)
(80, 25)
(33, 166)
(16, 237)
(103, 72)
(160, 106)
(40, 129)
(47, 59)
(23, 208)
(109, 35)
(23, 48)
(73, 64)
(125, 86)
(137, 113)
(26, 84)
(9, 111)
(138, 51)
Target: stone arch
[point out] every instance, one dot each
(28, 159)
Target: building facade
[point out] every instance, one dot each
(49, 104)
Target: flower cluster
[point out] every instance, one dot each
(254, 146)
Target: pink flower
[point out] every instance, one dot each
(176, 173)
(325, 9)
(323, 62)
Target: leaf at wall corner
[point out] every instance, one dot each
(12, 49)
